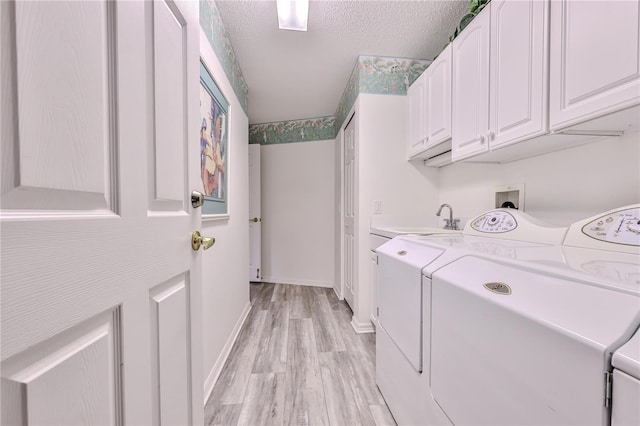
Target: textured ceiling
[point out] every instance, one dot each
(293, 75)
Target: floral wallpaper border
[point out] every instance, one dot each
(213, 26)
(381, 76)
(306, 130)
(371, 74)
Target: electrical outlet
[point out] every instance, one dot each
(377, 207)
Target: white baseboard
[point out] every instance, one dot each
(335, 290)
(374, 322)
(362, 327)
(212, 378)
(308, 283)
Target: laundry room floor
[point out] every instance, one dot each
(298, 361)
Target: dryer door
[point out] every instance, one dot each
(534, 356)
(400, 264)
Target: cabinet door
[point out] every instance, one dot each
(417, 122)
(595, 59)
(438, 99)
(519, 66)
(470, 113)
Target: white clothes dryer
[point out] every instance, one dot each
(532, 342)
(405, 266)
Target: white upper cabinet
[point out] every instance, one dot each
(500, 71)
(470, 112)
(519, 70)
(430, 109)
(595, 61)
(438, 99)
(417, 117)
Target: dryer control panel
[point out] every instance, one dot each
(618, 227)
(512, 224)
(615, 230)
(494, 222)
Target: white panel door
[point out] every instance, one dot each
(100, 289)
(595, 59)
(470, 85)
(519, 69)
(255, 218)
(350, 201)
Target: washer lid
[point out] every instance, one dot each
(627, 358)
(512, 346)
(604, 268)
(410, 252)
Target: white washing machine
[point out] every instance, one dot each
(405, 266)
(532, 343)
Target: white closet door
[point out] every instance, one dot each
(350, 202)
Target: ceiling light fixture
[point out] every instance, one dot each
(293, 14)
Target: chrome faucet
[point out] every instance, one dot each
(450, 223)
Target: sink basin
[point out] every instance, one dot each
(420, 230)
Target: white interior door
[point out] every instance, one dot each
(349, 210)
(255, 219)
(101, 291)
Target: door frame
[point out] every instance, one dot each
(257, 213)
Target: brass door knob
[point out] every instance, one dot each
(255, 219)
(197, 199)
(198, 240)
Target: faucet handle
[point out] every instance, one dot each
(451, 224)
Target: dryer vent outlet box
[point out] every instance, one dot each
(510, 196)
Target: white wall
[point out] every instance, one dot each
(225, 265)
(405, 189)
(560, 187)
(298, 205)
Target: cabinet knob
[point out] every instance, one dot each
(492, 136)
(481, 140)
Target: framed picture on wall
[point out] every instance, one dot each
(214, 147)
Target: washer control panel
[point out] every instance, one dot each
(617, 227)
(495, 222)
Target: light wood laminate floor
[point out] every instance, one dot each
(297, 361)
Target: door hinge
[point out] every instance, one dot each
(608, 388)
(377, 312)
(258, 274)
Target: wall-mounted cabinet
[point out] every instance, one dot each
(500, 70)
(417, 117)
(470, 110)
(531, 77)
(595, 63)
(430, 109)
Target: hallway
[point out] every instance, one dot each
(297, 361)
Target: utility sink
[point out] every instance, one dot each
(421, 230)
(392, 231)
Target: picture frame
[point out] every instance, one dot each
(214, 147)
